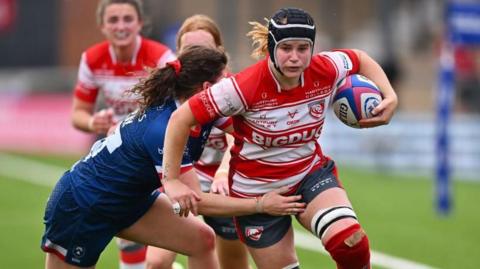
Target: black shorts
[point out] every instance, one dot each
(262, 230)
(223, 227)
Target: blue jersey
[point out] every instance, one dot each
(121, 170)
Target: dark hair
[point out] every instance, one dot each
(102, 5)
(198, 65)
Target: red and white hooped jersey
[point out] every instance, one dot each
(276, 131)
(100, 71)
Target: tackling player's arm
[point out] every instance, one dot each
(215, 205)
(176, 136)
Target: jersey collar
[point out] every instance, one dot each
(138, 43)
(279, 87)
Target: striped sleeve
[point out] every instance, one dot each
(86, 88)
(221, 100)
(346, 62)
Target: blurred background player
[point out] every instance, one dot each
(112, 67)
(202, 30)
(278, 107)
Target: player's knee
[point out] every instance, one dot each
(325, 218)
(206, 241)
(350, 248)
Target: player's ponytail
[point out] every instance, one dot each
(196, 65)
(259, 36)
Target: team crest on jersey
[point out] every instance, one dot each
(317, 108)
(254, 232)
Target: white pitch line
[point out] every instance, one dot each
(47, 175)
(29, 170)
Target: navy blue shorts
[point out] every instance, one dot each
(79, 235)
(223, 227)
(262, 230)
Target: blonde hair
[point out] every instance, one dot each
(200, 22)
(259, 36)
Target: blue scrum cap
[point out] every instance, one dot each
(289, 24)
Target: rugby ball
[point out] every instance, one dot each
(355, 98)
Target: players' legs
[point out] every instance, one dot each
(232, 254)
(161, 228)
(280, 255)
(160, 258)
(330, 216)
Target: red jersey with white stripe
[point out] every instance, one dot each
(100, 71)
(276, 131)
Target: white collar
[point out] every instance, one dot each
(279, 87)
(138, 42)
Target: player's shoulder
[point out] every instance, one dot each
(154, 48)
(97, 53)
(156, 119)
(339, 58)
(252, 77)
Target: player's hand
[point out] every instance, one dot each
(181, 193)
(274, 203)
(383, 113)
(220, 185)
(101, 121)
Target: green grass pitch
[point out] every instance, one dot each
(396, 211)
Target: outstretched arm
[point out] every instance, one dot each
(384, 111)
(272, 203)
(178, 130)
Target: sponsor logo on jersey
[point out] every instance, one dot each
(254, 232)
(219, 143)
(229, 103)
(347, 63)
(292, 114)
(318, 91)
(206, 103)
(317, 108)
(293, 138)
(103, 72)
